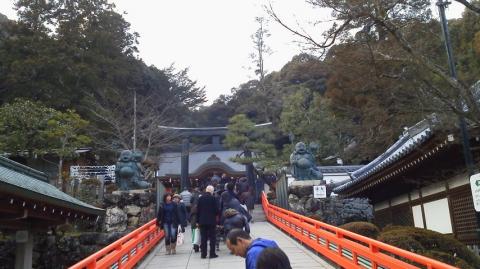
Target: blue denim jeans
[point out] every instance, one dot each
(170, 233)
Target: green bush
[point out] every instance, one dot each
(363, 228)
(447, 258)
(429, 243)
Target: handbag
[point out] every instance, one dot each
(196, 236)
(180, 237)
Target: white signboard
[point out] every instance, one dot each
(320, 191)
(475, 185)
(290, 179)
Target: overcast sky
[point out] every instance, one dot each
(212, 37)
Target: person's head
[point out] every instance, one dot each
(167, 198)
(210, 189)
(273, 258)
(176, 198)
(224, 175)
(230, 186)
(238, 242)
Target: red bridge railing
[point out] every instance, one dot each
(347, 249)
(126, 251)
(342, 247)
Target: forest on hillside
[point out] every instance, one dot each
(71, 74)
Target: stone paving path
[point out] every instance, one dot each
(186, 258)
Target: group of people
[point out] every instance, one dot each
(219, 212)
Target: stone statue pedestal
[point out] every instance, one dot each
(132, 191)
(304, 188)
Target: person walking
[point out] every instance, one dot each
(234, 220)
(273, 258)
(235, 204)
(182, 210)
(228, 195)
(193, 220)
(241, 244)
(168, 220)
(207, 212)
(182, 214)
(186, 197)
(248, 199)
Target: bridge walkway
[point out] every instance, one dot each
(186, 258)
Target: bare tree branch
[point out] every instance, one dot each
(470, 6)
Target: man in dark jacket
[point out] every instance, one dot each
(241, 244)
(228, 194)
(207, 212)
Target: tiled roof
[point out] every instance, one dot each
(339, 169)
(28, 183)
(411, 139)
(170, 162)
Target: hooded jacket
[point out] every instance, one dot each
(233, 220)
(235, 204)
(257, 246)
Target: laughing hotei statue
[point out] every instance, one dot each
(303, 164)
(128, 171)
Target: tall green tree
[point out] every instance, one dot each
(21, 125)
(255, 142)
(28, 127)
(307, 117)
(64, 134)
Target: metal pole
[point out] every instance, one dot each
(453, 73)
(463, 125)
(184, 180)
(134, 119)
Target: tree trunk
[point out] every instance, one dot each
(61, 182)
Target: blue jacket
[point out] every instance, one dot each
(257, 246)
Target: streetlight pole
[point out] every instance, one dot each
(453, 73)
(134, 120)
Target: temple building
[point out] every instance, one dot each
(422, 181)
(193, 164)
(29, 205)
(203, 163)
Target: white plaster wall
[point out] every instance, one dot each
(458, 181)
(415, 194)
(437, 216)
(380, 206)
(433, 188)
(399, 199)
(417, 216)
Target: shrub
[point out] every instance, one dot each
(363, 228)
(429, 243)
